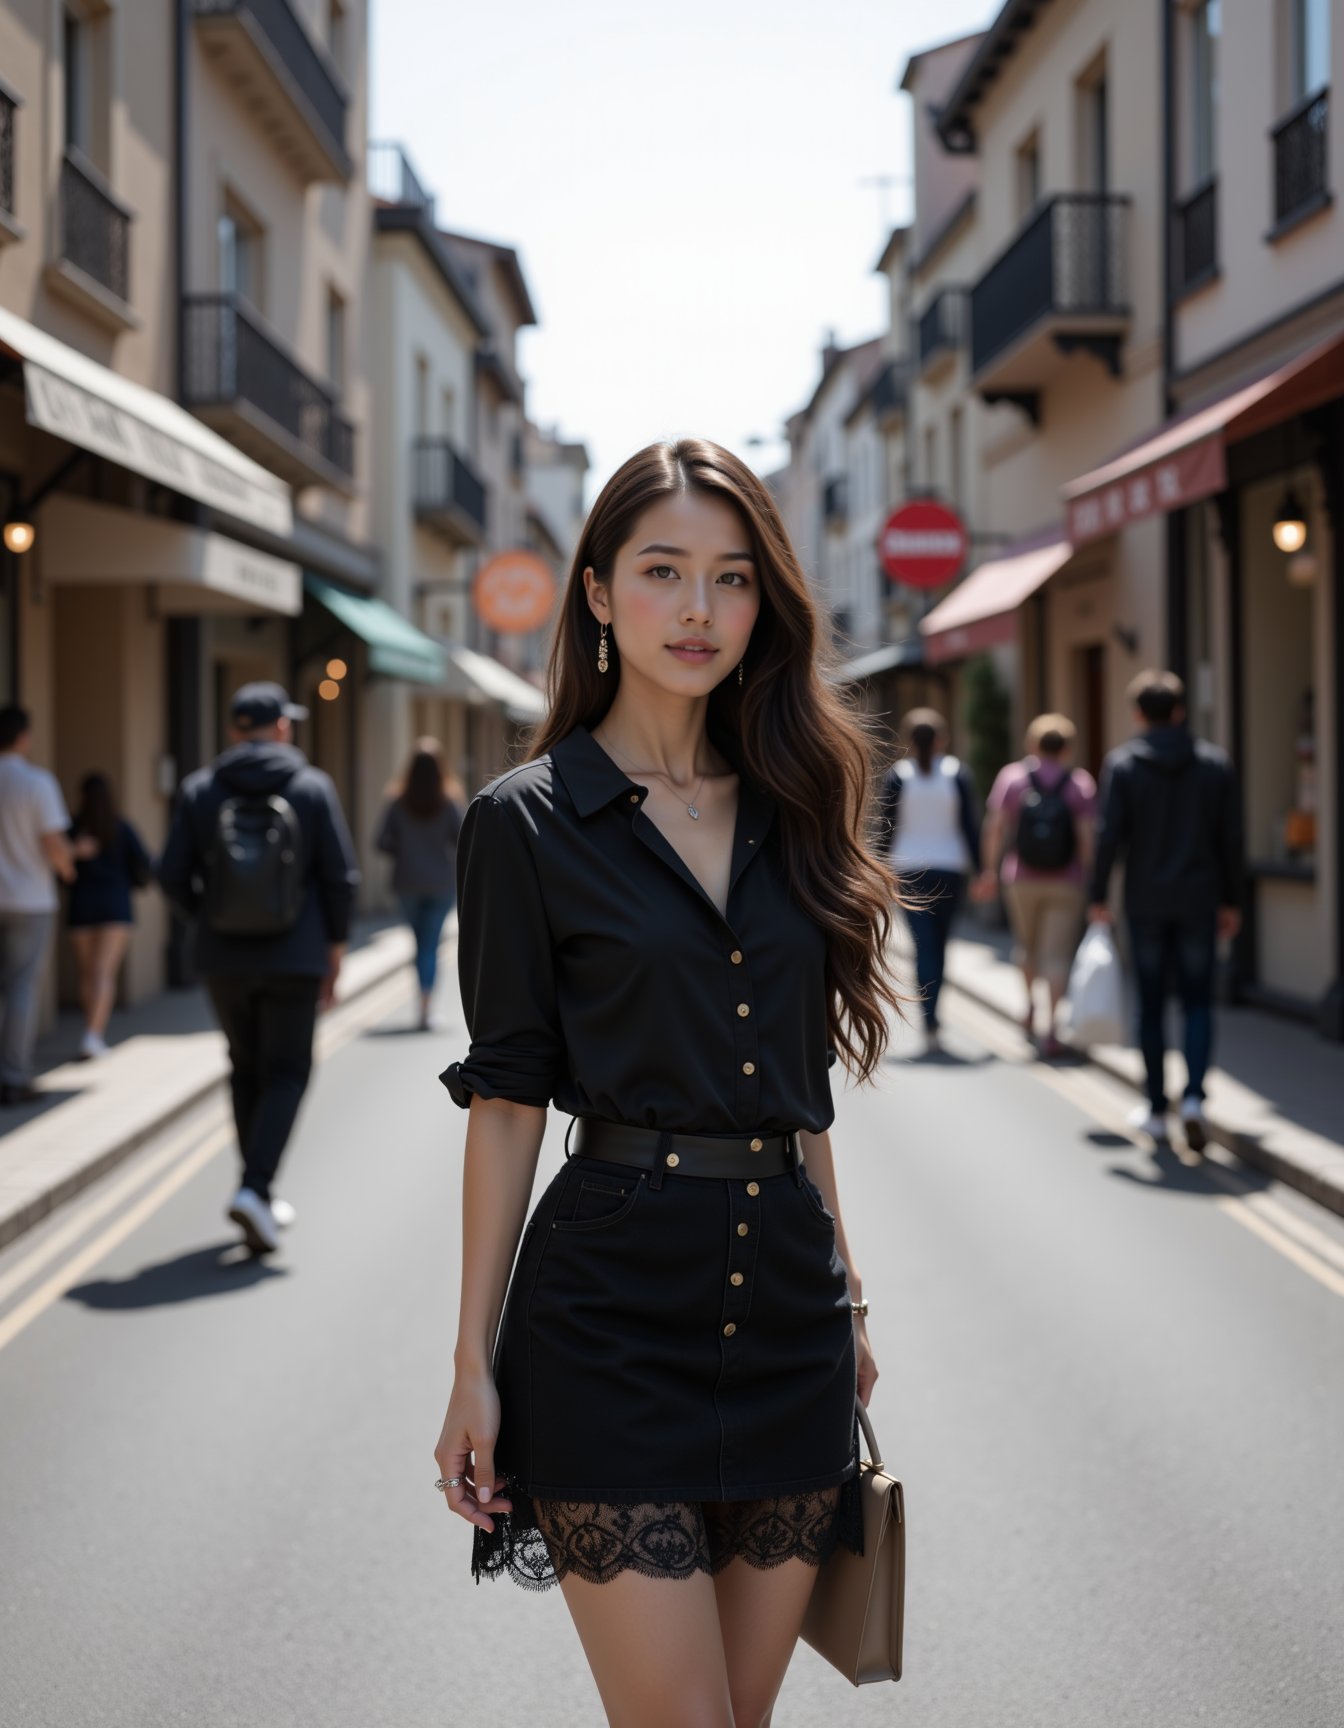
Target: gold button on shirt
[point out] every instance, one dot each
(742, 1229)
(735, 1280)
(753, 1188)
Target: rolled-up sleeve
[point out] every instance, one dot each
(505, 963)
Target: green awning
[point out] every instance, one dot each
(396, 648)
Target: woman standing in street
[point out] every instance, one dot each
(419, 830)
(110, 861)
(1038, 842)
(931, 828)
(670, 925)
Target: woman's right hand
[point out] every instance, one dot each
(466, 1449)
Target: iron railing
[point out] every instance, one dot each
(1195, 224)
(443, 478)
(942, 325)
(230, 358)
(1301, 152)
(392, 179)
(835, 499)
(890, 390)
(313, 77)
(7, 107)
(95, 227)
(1072, 257)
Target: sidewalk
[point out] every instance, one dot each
(165, 1057)
(1275, 1098)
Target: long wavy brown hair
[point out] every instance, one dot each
(787, 727)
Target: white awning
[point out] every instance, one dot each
(75, 398)
(191, 571)
(982, 611)
(478, 679)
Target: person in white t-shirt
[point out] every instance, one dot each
(34, 851)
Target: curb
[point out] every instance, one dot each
(24, 1205)
(1323, 1183)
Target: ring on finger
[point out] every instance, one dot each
(452, 1482)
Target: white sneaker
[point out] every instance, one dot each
(282, 1212)
(257, 1221)
(1150, 1122)
(1192, 1122)
(91, 1047)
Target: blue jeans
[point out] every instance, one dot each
(939, 893)
(1163, 947)
(426, 915)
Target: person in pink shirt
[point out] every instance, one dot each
(1037, 843)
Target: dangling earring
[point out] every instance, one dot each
(602, 650)
(740, 665)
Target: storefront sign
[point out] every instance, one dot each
(1181, 478)
(923, 544)
(514, 592)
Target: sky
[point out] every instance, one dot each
(685, 185)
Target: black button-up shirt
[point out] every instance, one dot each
(597, 972)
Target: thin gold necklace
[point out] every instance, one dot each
(658, 774)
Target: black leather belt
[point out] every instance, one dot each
(732, 1156)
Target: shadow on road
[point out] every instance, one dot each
(218, 1271)
(1172, 1175)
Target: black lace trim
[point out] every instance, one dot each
(542, 1541)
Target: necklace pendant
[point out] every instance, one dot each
(692, 812)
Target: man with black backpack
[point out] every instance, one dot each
(1171, 812)
(1037, 843)
(260, 857)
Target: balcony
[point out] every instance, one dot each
(890, 393)
(448, 495)
(1194, 248)
(1301, 153)
(941, 330)
(284, 78)
(392, 180)
(1061, 285)
(9, 102)
(93, 264)
(238, 379)
(835, 502)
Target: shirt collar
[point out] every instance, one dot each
(593, 780)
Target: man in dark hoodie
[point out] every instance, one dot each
(260, 857)
(1170, 810)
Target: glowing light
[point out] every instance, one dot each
(328, 689)
(19, 536)
(1290, 524)
(337, 669)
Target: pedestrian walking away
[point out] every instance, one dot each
(110, 863)
(930, 836)
(34, 852)
(419, 832)
(670, 924)
(1037, 847)
(1170, 812)
(259, 857)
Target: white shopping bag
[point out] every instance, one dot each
(1093, 1010)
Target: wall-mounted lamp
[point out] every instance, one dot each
(1290, 523)
(336, 670)
(1127, 637)
(19, 536)
(328, 689)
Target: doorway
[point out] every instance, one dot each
(1089, 705)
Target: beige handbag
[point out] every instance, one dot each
(854, 1618)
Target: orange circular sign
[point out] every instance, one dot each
(514, 592)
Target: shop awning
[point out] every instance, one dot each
(981, 612)
(191, 570)
(75, 398)
(477, 679)
(889, 658)
(1187, 459)
(396, 648)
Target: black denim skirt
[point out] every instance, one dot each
(689, 1341)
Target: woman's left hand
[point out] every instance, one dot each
(867, 1363)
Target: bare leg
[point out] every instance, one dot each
(1030, 1013)
(761, 1613)
(110, 942)
(655, 1649)
(81, 944)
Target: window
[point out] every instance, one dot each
(448, 410)
(78, 92)
(336, 340)
(421, 396)
(337, 39)
(1311, 47)
(954, 452)
(1206, 29)
(1029, 175)
(931, 458)
(1094, 157)
(240, 254)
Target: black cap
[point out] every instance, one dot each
(259, 705)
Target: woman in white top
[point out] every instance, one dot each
(931, 834)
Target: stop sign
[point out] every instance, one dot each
(923, 544)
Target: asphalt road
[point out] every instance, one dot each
(1113, 1386)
